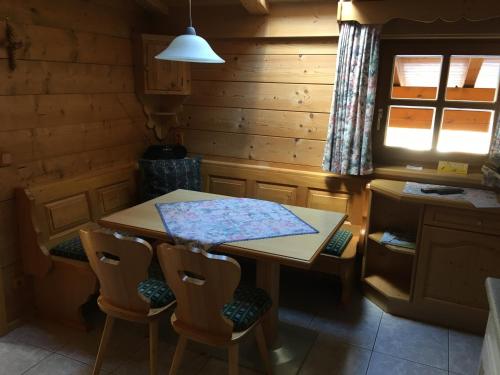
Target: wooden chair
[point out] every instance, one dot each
(121, 265)
(209, 304)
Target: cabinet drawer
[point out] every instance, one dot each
(474, 221)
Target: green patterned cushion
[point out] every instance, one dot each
(157, 292)
(72, 249)
(338, 243)
(248, 305)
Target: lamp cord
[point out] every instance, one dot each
(190, 17)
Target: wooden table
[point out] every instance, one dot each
(297, 251)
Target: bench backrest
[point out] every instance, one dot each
(51, 213)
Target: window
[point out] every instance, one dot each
(438, 100)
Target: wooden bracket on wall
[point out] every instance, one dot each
(159, 121)
(259, 7)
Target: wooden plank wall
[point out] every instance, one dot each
(270, 101)
(69, 108)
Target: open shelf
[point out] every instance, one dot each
(377, 237)
(390, 285)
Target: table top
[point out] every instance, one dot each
(395, 189)
(297, 250)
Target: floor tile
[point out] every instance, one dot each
(16, 358)
(330, 357)
(138, 363)
(414, 341)
(296, 317)
(355, 323)
(218, 367)
(126, 339)
(56, 364)
(43, 334)
(287, 354)
(381, 364)
(465, 352)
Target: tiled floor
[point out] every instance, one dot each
(354, 339)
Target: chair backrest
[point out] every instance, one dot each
(120, 263)
(202, 283)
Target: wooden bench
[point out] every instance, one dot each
(50, 214)
(343, 266)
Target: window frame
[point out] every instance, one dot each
(389, 48)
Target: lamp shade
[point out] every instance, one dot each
(190, 47)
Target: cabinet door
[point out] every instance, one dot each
(164, 76)
(453, 266)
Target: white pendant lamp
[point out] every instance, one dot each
(190, 47)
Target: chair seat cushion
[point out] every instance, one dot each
(248, 305)
(71, 249)
(157, 292)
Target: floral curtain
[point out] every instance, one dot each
(495, 142)
(348, 144)
(491, 177)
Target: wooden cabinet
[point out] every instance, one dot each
(453, 266)
(442, 281)
(160, 77)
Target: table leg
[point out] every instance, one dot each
(268, 278)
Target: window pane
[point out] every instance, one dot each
(410, 127)
(465, 130)
(416, 77)
(473, 78)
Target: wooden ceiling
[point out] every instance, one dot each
(252, 6)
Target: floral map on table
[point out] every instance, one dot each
(207, 223)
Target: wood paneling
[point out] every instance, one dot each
(115, 197)
(33, 111)
(227, 186)
(286, 97)
(56, 44)
(277, 193)
(270, 101)
(285, 20)
(89, 16)
(254, 147)
(307, 125)
(69, 108)
(42, 77)
(327, 200)
(67, 212)
(292, 186)
(287, 46)
(269, 68)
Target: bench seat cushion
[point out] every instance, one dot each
(71, 249)
(248, 305)
(157, 292)
(338, 243)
